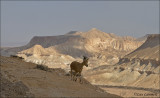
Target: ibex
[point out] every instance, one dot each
(77, 67)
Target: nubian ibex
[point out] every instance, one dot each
(77, 67)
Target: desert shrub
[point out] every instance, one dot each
(149, 72)
(141, 72)
(115, 68)
(14, 56)
(42, 67)
(21, 58)
(121, 68)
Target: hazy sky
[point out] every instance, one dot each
(21, 20)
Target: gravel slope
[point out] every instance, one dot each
(32, 82)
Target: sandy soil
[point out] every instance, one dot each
(131, 92)
(30, 81)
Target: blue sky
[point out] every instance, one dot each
(21, 20)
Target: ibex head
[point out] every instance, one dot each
(85, 61)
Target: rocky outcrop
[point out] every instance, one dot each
(46, 56)
(146, 57)
(148, 50)
(38, 50)
(139, 68)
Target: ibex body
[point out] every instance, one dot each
(77, 66)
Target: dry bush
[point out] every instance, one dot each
(121, 68)
(42, 67)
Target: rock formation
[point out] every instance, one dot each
(76, 44)
(46, 56)
(140, 68)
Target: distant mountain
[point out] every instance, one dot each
(139, 68)
(148, 50)
(58, 51)
(96, 43)
(92, 43)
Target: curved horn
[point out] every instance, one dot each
(84, 57)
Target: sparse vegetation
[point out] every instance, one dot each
(121, 68)
(21, 58)
(15, 56)
(141, 72)
(149, 72)
(42, 67)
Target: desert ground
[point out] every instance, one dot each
(134, 92)
(22, 79)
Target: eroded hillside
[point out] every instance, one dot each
(93, 43)
(46, 56)
(138, 69)
(22, 79)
